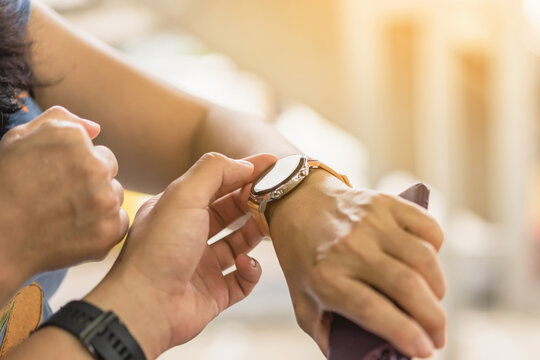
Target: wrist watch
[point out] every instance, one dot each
(101, 333)
(279, 180)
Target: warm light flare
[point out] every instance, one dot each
(531, 9)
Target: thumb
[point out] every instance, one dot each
(211, 177)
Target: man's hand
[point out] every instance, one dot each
(368, 256)
(60, 204)
(168, 283)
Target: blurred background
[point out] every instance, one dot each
(388, 92)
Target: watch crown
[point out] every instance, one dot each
(304, 172)
(277, 193)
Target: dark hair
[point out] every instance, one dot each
(15, 70)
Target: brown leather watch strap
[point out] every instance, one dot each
(320, 165)
(260, 218)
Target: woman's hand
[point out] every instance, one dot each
(368, 256)
(59, 202)
(168, 283)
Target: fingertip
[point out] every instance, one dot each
(92, 128)
(424, 347)
(416, 343)
(440, 339)
(268, 156)
(244, 193)
(261, 161)
(248, 267)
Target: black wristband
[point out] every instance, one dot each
(102, 333)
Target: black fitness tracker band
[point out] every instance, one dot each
(102, 333)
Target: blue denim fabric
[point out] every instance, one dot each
(2, 332)
(49, 282)
(24, 10)
(30, 111)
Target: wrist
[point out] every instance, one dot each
(297, 207)
(133, 303)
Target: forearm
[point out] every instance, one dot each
(155, 130)
(237, 135)
(136, 309)
(147, 123)
(50, 344)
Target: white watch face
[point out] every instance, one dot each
(281, 171)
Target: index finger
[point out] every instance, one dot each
(212, 176)
(59, 113)
(417, 221)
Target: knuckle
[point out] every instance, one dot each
(105, 201)
(367, 305)
(106, 232)
(425, 257)
(213, 156)
(48, 125)
(103, 153)
(102, 230)
(95, 170)
(384, 198)
(338, 246)
(407, 282)
(439, 320)
(321, 280)
(404, 333)
(12, 134)
(363, 255)
(371, 221)
(63, 131)
(436, 231)
(379, 199)
(57, 110)
(372, 206)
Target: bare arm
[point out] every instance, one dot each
(155, 130)
(336, 245)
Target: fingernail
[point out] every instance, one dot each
(424, 347)
(253, 263)
(244, 162)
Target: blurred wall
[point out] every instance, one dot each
(442, 89)
(295, 45)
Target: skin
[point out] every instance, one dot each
(167, 283)
(350, 251)
(59, 214)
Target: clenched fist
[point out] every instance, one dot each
(59, 201)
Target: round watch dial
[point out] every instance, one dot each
(279, 173)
